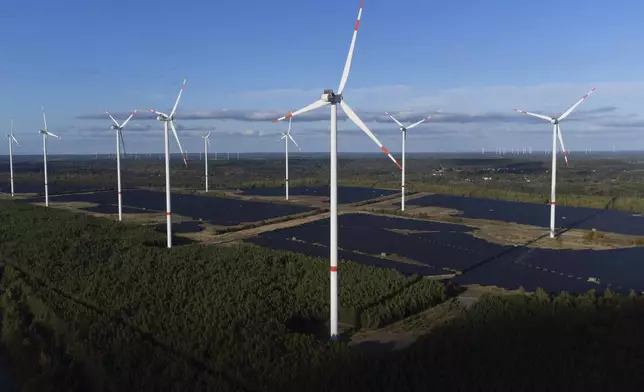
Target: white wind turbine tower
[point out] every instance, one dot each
(556, 133)
(206, 143)
(119, 141)
(333, 99)
(45, 134)
(12, 140)
(170, 119)
(286, 136)
(404, 143)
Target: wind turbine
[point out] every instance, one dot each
(170, 119)
(556, 133)
(206, 143)
(404, 142)
(119, 141)
(12, 140)
(333, 99)
(45, 133)
(286, 136)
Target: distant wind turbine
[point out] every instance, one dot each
(12, 140)
(404, 143)
(119, 141)
(286, 136)
(556, 133)
(206, 143)
(45, 134)
(169, 119)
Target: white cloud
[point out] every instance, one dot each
(471, 118)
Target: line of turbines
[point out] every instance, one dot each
(138, 155)
(328, 98)
(528, 151)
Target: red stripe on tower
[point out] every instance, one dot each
(334, 268)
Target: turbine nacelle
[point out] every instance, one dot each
(331, 97)
(554, 121)
(115, 128)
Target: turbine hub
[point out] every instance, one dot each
(554, 121)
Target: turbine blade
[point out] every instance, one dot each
(174, 132)
(208, 135)
(11, 134)
(541, 116)
(158, 113)
(113, 120)
(347, 64)
(397, 122)
(51, 134)
(414, 125)
(563, 149)
(128, 119)
(44, 118)
(122, 142)
(283, 136)
(314, 105)
(354, 117)
(289, 125)
(176, 103)
(567, 112)
(293, 140)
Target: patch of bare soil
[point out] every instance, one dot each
(505, 233)
(243, 234)
(409, 231)
(535, 237)
(401, 259)
(387, 199)
(405, 332)
(307, 200)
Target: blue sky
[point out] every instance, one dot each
(248, 62)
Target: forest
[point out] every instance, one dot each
(92, 305)
(128, 308)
